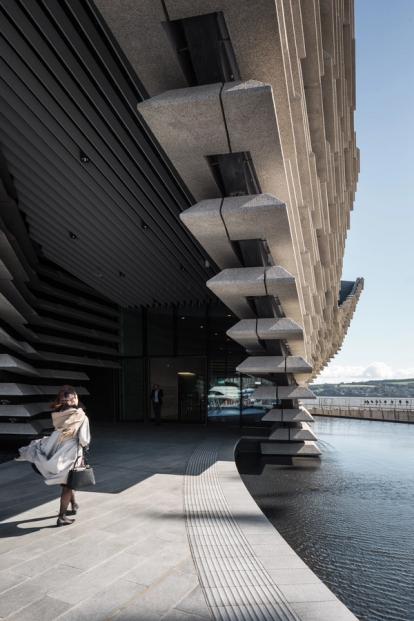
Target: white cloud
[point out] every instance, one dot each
(377, 370)
(335, 373)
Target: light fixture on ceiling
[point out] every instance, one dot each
(73, 235)
(207, 263)
(229, 315)
(186, 373)
(182, 317)
(84, 158)
(201, 326)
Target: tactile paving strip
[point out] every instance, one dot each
(236, 584)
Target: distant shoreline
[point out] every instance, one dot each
(390, 415)
(372, 389)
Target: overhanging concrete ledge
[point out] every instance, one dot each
(169, 532)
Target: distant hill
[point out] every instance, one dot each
(372, 388)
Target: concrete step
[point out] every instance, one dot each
(293, 415)
(299, 449)
(293, 434)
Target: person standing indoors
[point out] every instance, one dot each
(54, 456)
(157, 396)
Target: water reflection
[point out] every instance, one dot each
(351, 515)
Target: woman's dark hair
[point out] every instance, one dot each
(64, 392)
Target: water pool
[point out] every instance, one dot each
(351, 515)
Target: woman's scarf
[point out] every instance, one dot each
(68, 422)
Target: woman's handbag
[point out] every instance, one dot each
(81, 476)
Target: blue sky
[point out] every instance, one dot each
(380, 245)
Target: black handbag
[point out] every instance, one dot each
(81, 476)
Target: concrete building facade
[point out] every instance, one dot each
(177, 183)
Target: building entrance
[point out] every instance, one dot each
(183, 381)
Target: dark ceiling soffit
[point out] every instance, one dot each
(68, 189)
(78, 9)
(47, 30)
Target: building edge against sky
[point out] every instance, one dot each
(238, 171)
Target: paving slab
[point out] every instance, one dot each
(169, 532)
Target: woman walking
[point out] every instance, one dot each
(54, 456)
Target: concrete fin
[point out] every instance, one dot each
(295, 449)
(291, 415)
(293, 434)
(274, 364)
(22, 390)
(14, 365)
(26, 410)
(282, 328)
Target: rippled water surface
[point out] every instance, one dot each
(351, 516)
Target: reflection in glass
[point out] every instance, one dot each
(231, 400)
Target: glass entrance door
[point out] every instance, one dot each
(183, 382)
(191, 402)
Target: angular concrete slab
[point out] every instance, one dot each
(20, 347)
(245, 333)
(27, 428)
(293, 434)
(82, 360)
(63, 374)
(250, 332)
(26, 410)
(257, 365)
(205, 221)
(232, 286)
(237, 116)
(189, 125)
(291, 415)
(283, 328)
(23, 390)
(14, 365)
(265, 217)
(294, 449)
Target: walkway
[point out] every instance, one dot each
(169, 532)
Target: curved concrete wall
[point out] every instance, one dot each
(290, 108)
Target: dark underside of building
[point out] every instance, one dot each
(102, 286)
(147, 149)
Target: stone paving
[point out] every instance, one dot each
(169, 532)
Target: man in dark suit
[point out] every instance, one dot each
(156, 400)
